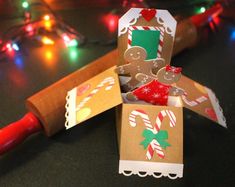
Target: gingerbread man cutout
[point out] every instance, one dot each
(156, 90)
(137, 64)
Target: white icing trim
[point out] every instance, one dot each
(125, 20)
(142, 169)
(218, 110)
(70, 106)
(168, 21)
(134, 13)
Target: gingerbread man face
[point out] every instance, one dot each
(137, 63)
(169, 74)
(135, 54)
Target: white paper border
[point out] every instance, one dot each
(70, 106)
(143, 169)
(131, 17)
(218, 110)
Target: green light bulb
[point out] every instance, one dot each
(202, 9)
(73, 53)
(73, 43)
(25, 4)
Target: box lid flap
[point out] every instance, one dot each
(93, 97)
(201, 100)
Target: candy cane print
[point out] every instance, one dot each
(109, 80)
(161, 116)
(154, 145)
(195, 102)
(143, 115)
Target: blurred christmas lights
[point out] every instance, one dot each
(47, 41)
(25, 4)
(232, 35)
(33, 29)
(15, 47)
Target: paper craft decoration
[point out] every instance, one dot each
(152, 29)
(150, 140)
(150, 137)
(201, 100)
(135, 56)
(92, 98)
(156, 89)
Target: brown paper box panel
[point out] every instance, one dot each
(131, 137)
(92, 98)
(133, 155)
(168, 39)
(209, 108)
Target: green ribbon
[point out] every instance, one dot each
(161, 137)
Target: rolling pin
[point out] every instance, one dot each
(47, 107)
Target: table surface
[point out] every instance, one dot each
(88, 155)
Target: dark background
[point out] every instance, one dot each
(87, 155)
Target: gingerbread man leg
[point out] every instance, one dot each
(130, 85)
(131, 97)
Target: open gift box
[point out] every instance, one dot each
(150, 137)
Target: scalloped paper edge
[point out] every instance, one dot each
(155, 169)
(131, 17)
(70, 106)
(217, 108)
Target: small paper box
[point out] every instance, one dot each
(101, 93)
(150, 137)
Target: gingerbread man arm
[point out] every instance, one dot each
(143, 78)
(174, 91)
(157, 63)
(124, 69)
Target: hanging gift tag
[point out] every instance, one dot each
(152, 29)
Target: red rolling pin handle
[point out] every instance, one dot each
(202, 19)
(15, 133)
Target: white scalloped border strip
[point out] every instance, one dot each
(70, 107)
(164, 18)
(155, 169)
(217, 108)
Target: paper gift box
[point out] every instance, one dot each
(102, 92)
(150, 137)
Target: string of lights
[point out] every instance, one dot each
(43, 27)
(39, 29)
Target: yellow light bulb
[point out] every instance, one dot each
(47, 41)
(46, 17)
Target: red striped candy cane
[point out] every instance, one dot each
(109, 80)
(143, 115)
(154, 145)
(195, 102)
(160, 46)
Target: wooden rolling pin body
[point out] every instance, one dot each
(49, 104)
